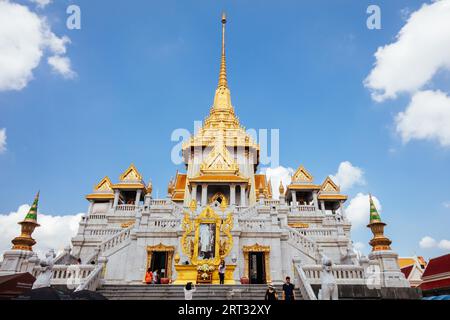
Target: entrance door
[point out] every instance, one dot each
(257, 268)
(159, 262)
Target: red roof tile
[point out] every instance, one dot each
(407, 270)
(437, 265)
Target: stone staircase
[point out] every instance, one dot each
(175, 292)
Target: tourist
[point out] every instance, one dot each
(271, 293)
(149, 276)
(288, 290)
(222, 272)
(155, 277)
(189, 291)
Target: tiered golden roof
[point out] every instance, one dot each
(222, 120)
(302, 180)
(103, 190)
(130, 179)
(330, 191)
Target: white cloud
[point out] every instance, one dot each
(276, 175)
(444, 244)
(421, 49)
(358, 210)
(55, 232)
(41, 3)
(359, 246)
(427, 242)
(24, 39)
(427, 117)
(2, 140)
(61, 65)
(348, 176)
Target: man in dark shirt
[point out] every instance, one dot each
(288, 290)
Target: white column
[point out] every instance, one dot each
(232, 195)
(194, 192)
(315, 201)
(138, 197)
(116, 198)
(294, 198)
(91, 204)
(204, 194)
(341, 208)
(243, 196)
(322, 206)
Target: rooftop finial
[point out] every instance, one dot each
(223, 65)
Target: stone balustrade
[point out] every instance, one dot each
(163, 224)
(303, 243)
(348, 274)
(271, 203)
(318, 232)
(115, 240)
(102, 232)
(66, 274)
(295, 209)
(255, 224)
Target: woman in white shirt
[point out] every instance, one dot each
(189, 290)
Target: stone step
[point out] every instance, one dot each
(176, 292)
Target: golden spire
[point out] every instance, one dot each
(281, 188)
(223, 63)
(379, 241)
(25, 241)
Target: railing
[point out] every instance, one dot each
(97, 216)
(115, 240)
(303, 283)
(304, 244)
(63, 274)
(248, 212)
(255, 224)
(271, 202)
(318, 232)
(159, 202)
(348, 274)
(163, 224)
(102, 232)
(125, 207)
(92, 281)
(303, 208)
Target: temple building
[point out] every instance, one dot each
(222, 209)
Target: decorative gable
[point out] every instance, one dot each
(302, 175)
(219, 160)
(329, 186)
(104, 185)
(131, 174)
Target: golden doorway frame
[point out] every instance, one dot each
(161, 248)
(257, 248)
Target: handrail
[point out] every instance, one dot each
(303, 283)
(244, 214)
(91, 282)
(306, 245)
(111, 242)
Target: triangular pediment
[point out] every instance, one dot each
(219, 160)
(131, 174)
(104, 185)
(329, 186)
(302, 175)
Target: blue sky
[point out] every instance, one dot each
(145, 68)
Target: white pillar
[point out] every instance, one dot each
(341, 208)
(294, 198)
(138, 197)
(232, 195)
(194, 192)
(243, 196)
(204, 194)
(322, 206)
(91, 204)
(315, 201)
(116, 197)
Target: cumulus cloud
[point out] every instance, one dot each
(348, 176)
(41, 3)
(444, 244)
(276, 175)
(55, 232)
(358, 210)
(2, 140)
(421, 49)
(430, 243)
(61, 65)
(427, 117)
(25, 38)
(427, 242)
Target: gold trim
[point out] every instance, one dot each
(257, 248)
(161, 248)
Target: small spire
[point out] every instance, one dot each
(374, 215)
(32, 213)
(281, 188)
(223, 65)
